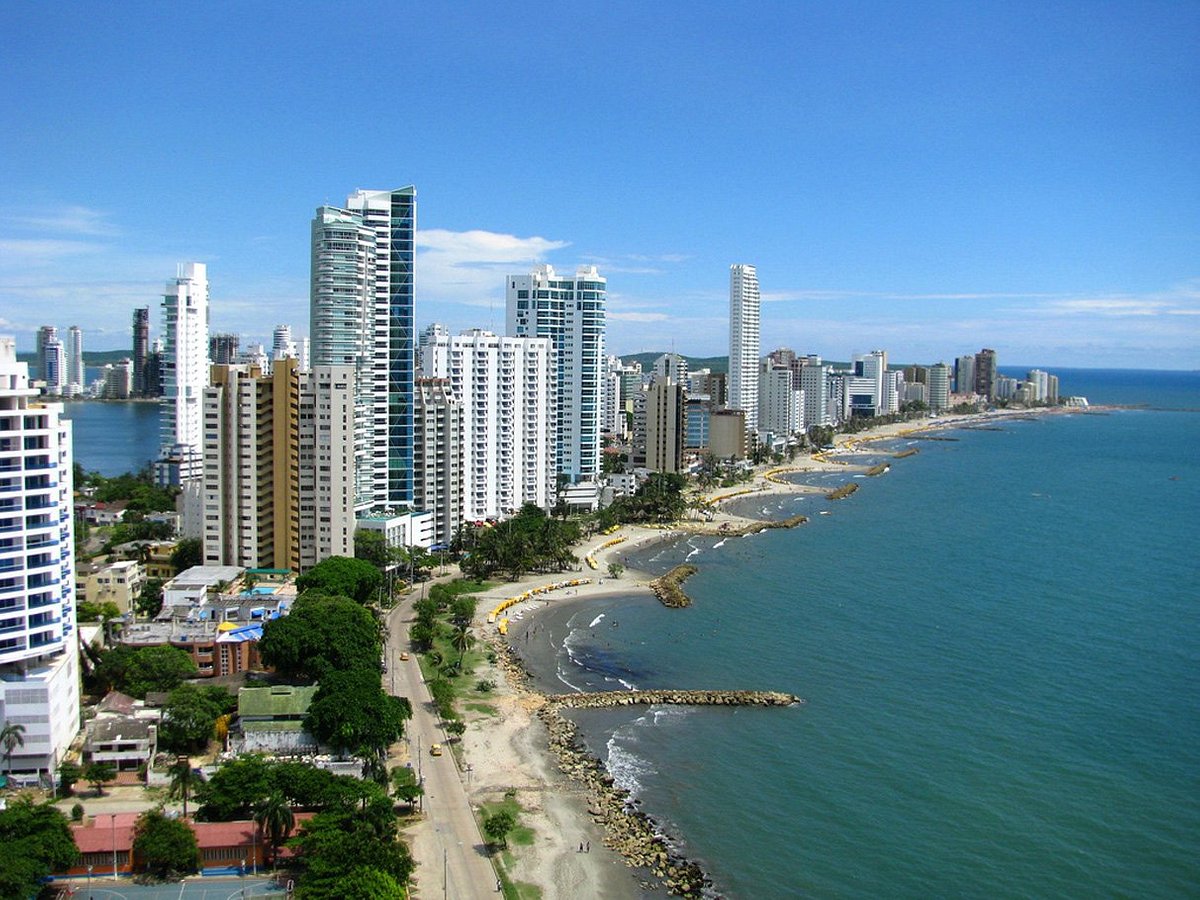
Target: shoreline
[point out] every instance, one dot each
(589, 803)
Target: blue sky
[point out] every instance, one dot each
(927, 178)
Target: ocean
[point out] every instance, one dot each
(114, 436)
(999, 646)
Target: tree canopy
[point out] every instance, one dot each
(187, 553)
(530, 541)
(343, 576)
(337, 848)
(239, 786)
(352, 712)
(35, 841)
(165, 848)
(320, 635)
(190, 714)
(138, 670)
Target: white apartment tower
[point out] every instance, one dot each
(39, 675)
(184, 373)
(780, 401)
(343, 326)
(939, 386)
(75, 371)
(570, 312)
(745, 342)
(508, 391)
(438, 456)
(392, 218)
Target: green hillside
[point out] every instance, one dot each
(715, 363)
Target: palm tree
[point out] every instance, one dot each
(12, 736)
(183, 781)
(275, 820)
(461, 640)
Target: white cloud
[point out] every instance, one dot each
(67, 220)
(638, 316)
(18, 252)
(468, 267)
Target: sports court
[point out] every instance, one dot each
(192, 889)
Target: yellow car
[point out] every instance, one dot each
(435, 749)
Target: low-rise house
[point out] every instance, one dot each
(124, 733)
(105, 844)
(271, 720)
(119, 582)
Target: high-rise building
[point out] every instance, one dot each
(780, 401)
(507, 389)
(75, 375)
(39, 674)
(665, 432)
(939, 387)
(814, 382)
(141, 352)
(570, 312)
(745, 342)
(224, 349)
(964, 374)
(438, 456)
(277, 489)
(392, 216)
(344, 323)
(282, 345)
(55, 355)
(45, 335)
(985, 373)
(185, 374)
(673, 366)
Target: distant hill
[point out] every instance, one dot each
(715, 363)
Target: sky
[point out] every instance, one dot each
(926, 178)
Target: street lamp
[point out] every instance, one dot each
(89, 882)
(243, 874)
(114, 843)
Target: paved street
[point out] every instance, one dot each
(447, 845)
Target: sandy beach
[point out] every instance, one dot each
(506, 748)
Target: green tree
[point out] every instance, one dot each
(333, 845)
(275, 820)
(165, 848)
(456, 727)
(12, 736)
(351, 712)
(366, 883)
(320, 635)
(234, 789)
(149, 601)
(146, 669)
(98, 774)
(342, 576)
(35, 841)
(498, 825)
(94, 612)
(184, 779)
(406, 786)
(190, 715)
(68, 775)
(615, 570)
(372, 546)
(187, 553)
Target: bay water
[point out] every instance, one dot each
(999, 646)
(114, 436)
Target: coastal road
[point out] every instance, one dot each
(450, 852)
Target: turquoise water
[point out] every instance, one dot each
(999, 643)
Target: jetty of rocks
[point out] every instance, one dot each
(608, 699)
(667, 589)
